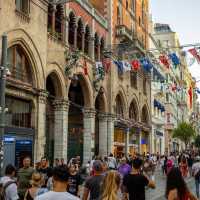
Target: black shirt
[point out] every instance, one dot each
(135, 186)
(73, 182)
(94, 184)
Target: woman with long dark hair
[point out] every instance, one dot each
(176, 188)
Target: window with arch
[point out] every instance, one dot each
(87, 39)
(71, 28)
(145, 118)
(133, 111)
(23, 6)
(96, 44)
(102, 48)
(119, 106)
(19, 64)
(79, 34)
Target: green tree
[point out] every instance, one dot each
(185, 132)
(197, 141)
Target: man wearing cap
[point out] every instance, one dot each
(93, 184)
(196, 174)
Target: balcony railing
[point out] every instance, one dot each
(123, 32)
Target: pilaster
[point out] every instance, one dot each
(91, 47)
(41, 128)
(88, 138)
(111, 120)
(61, 128)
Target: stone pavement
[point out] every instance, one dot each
(159, 192)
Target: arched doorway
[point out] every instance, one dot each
(134, 133)
(19, 120)
(120, 127)
(100, 110)
(53, 88)
(145, 140)
(75, 118)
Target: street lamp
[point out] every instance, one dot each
(3, 74)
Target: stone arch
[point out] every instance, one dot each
(86, 87)
(22, 38)
(58, 76)
(120, 107)
(134, 110)
(145, 116)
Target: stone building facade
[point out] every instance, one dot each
(60, 108)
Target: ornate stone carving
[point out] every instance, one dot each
(103, 117)
(61, 105)
(89, 113)
(42, 96)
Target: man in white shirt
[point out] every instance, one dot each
(196, 174)
(60, 181)
(112, 163)
(9, 184)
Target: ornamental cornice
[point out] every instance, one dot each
(89, 113)
(42, 96)
(61, 105)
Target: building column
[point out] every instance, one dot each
(83, 42)
(88, 137)
(61, 128)
(75, 36)
(110, 132)
(127, 142)
(41, 133)
(91, 47)
(103, 132)
(66, 28)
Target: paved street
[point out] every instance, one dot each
(159, 192)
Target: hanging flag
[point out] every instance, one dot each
(99, 71)
(126, 66)
(190, 96)
(146, 64)
(119, 65)
(174, 58)
(135, 65)
(195, 54)
(85, 68)
(107, 64)
(163, 59)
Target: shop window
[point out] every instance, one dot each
(19, 64)
(134, 79)
(19, 113)
(23, 6)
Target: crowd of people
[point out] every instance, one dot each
(107, 178)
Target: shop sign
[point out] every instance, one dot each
(143, 141)
(9, 140)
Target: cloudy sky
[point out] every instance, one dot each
(184, 18)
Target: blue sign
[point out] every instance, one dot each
(143, 141)
(8, 139)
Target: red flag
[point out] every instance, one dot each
(85, 67)
(195, 54)
(135, 65)
(190, 96)
(106, 64)
(163, 59)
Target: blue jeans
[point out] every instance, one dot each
(197, 182)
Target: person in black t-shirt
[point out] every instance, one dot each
(74, 181)
(134, 183)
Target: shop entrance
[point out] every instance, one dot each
(75, 119)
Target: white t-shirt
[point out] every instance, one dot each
(11, 190)
(56, 195)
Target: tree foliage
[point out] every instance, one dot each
(197, 141)
(185, 132)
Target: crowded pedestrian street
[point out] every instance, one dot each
(99, 100)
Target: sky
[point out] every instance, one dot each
(184, 18)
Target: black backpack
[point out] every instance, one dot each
(3, 189)
(197, 176)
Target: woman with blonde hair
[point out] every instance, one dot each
(36, 182)
(110, 186)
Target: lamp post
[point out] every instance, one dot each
(3, 71)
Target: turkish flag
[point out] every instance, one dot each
(135, 65)
(163, 59)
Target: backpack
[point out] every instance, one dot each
(3, 189)
(197, 176)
